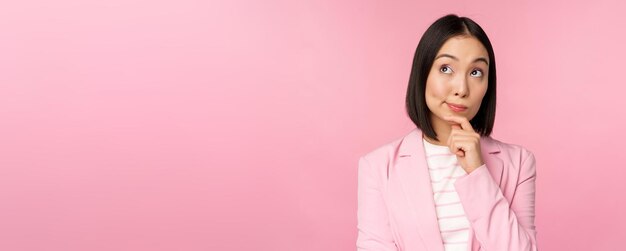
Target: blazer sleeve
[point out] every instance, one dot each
(500, 224)
(374, 231)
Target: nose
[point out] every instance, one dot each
(460, 87)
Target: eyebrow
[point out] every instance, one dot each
(455, 58)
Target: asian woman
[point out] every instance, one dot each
(447, 184)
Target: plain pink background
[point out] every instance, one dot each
(237, 125)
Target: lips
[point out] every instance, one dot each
(457, 107)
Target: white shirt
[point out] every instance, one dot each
(444, 169)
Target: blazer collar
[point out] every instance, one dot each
(411, 170)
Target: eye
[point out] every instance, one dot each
(445, 69)
(476, 73)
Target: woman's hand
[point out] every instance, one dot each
(465, 143)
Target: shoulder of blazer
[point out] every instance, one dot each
(513, 153)
(384, 155)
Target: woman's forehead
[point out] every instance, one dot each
(463, 48)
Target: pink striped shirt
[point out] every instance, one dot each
(444, 169)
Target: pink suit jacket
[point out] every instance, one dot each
(396, 209)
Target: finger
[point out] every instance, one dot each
(453, 144)
(465, 124)
(453, 132)
(467, 143)
(460, 120)
(464, 135)
(457, 149)
(456, 131)
(461, 147)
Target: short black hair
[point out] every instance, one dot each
(433, 39)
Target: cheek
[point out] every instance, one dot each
(480, 91)
(436, 90)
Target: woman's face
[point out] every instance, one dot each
(457, 81)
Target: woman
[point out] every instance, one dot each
(447, 185)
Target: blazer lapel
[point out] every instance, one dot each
(413, 173)
(490, 153)
(411, 169)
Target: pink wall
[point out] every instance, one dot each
(234, 125)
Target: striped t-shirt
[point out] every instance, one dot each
(444, 169)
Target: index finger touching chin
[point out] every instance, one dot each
(463, 121)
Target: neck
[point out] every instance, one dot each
(442, 129)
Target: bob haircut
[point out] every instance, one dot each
(433, 39)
